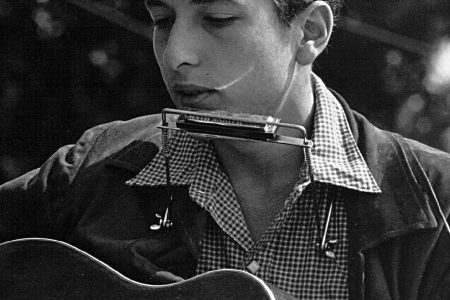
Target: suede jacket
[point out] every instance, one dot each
(398, 244)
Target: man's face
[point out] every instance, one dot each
(232, 55)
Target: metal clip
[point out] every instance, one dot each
(327, 248)
(164, 222)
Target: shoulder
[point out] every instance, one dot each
(436, 163)
(107, 139)
(140, 128)
(369, 136)
(95, 146)
(429, 167)
(103, 141)
(425, 151)
(384, 149)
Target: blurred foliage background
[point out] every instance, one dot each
(64, 70)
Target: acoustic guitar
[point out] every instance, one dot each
(37, 268)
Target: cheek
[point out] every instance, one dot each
(270, 58)
(270, 73)
(159, 53)
(257, 94)
(159, 45)
(265, 86)
(264, 68)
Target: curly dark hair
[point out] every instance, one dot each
(287, 9)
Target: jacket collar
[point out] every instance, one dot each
(403, 206)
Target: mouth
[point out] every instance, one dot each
(193, 96)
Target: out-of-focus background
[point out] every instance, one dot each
(64, 70)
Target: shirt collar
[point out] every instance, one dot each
(336, 158)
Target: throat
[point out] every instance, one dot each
(261, 202)
(259, 214)
(262, 178)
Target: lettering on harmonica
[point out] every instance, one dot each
(242, 126)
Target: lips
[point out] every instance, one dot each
(193, 96)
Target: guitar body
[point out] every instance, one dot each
(47, 269)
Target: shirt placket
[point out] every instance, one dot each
(213, 191)
(257, 258)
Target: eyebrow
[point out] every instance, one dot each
(153, 3)
(212, 1)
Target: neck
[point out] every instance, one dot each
(262, 179)
(268, 168)
(267, 161)
(264, 174)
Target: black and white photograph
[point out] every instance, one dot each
(225, 149)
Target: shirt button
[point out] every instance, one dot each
(253, 267)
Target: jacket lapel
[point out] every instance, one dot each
(402, 207)
(135, 156)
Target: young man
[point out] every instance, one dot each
(248, 205)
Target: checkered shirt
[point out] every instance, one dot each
(286, 254)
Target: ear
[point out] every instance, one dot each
(316, 24)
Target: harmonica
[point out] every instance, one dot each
(223, 124)
(240, 126)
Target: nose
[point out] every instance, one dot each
(182, 47)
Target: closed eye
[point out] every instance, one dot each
(220, 20)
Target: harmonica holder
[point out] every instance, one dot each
(224, 127)
(279, 139)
